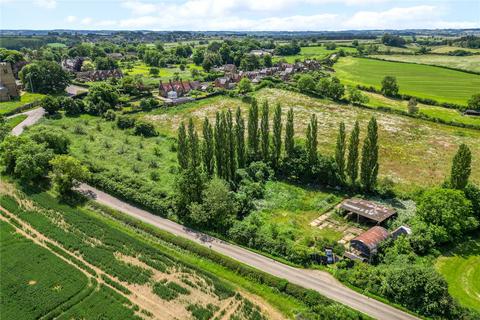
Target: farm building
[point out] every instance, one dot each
(8, 85)
(367, 243)
(402, 230)
(367, 209)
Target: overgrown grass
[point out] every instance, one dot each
(13, 122)
(422, 81)
(314, 52)
(461, 269)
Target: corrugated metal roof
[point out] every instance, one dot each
(372, 237)
(368, 209)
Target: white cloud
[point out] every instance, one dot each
(71, 19)
(86, 21)
(47, 4)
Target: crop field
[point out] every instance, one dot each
(405, 143)
(461, 269)
(434, 112)
(447, 49)
(138, 277)
(25, 98)
(316, 52)
(469, 63)
(26, 290)
(417, 80)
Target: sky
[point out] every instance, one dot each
(238, 15)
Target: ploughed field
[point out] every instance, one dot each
(422, 81)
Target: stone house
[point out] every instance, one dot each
(8, 85)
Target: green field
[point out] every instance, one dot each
(469, 63)
(165, 74)
(26, 97)
(26, 290)
(153, 273)
(447, 49)
(405, 142)
(417, 80)
(314, 52)
(377, 100)
(461, 269)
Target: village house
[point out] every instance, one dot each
(99, 75)
(73, 65)
(8, 85)
(175, 89)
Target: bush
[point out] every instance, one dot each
(50, 104)
(110, 115)
(145, 129)
(125, 122)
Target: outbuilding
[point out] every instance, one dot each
(367, 243)
(367, 209)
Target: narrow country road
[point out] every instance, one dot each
(33, 116)
(320, 281)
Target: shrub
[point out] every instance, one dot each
(125, 122)
(145, 129)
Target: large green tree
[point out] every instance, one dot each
(219, 134)
(265, 133)
(352, 159)
(390, 86)
(240, 138)
(447, 214)
(461, 167)
(277, 136)
(231, 163)
(208, 148)
(252, 133)
(369, 164)
(182, 147)
(340, 151)
(312, 144)
(289, 134)
(67, 173)
(44, 77)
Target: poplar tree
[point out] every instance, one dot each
(369, 164)
(231, 164)
(265, 133)
(277, 136)
(240, 138)
(219, 145)
(340, 152)
(253, 130)
(193, 145)
(208, 148)
(461, 167)
(312, 144)
(352, 160)
(182, 149)
(289, 134)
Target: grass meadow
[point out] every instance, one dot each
(417, 80)
(165, 74)
(461, 269)
(468, 63)
(435, 112)
(314, 52)
(405, 142)
(447, 49)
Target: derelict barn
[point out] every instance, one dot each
(367, 243)
(368, 210)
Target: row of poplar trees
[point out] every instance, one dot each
(228, 145)
(347, 161)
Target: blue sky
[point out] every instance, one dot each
(292, 15)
